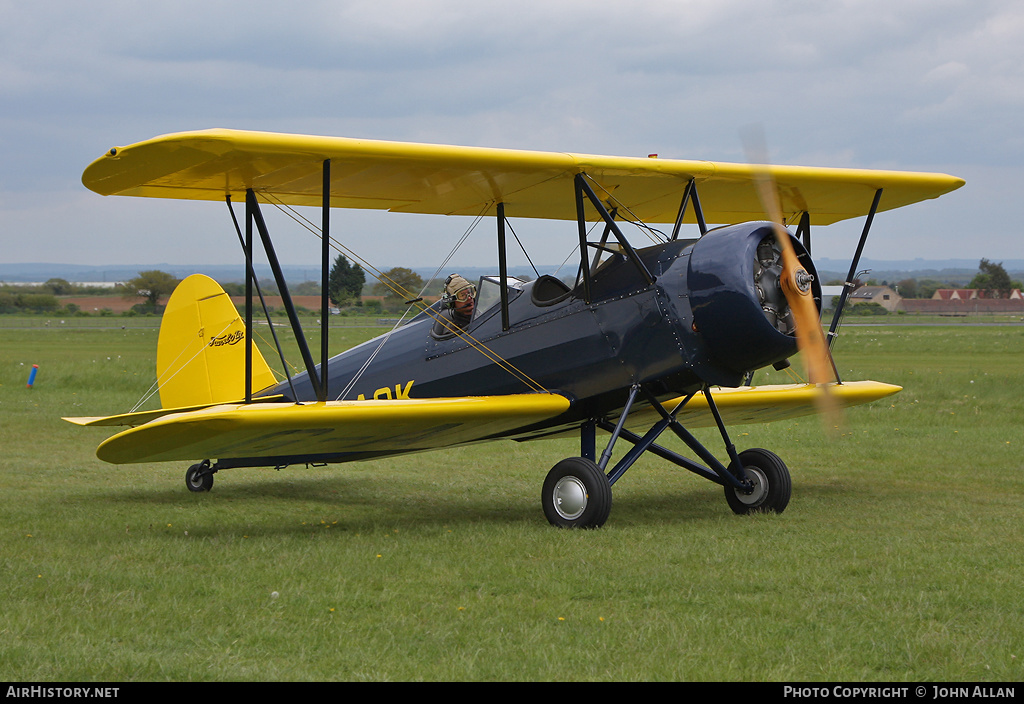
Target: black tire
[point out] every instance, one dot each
(576, 494)
(198, 477)
(772, 484)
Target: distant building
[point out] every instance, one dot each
(882, 295)
(971, 294)
(964, 301)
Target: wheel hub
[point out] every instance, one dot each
(570, 497)
(759, 489)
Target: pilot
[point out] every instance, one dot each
(459, 299)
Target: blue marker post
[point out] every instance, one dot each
(32, 375)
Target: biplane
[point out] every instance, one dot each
(643, 340)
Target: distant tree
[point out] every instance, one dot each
(434, 287)
(867, 309)
(34, 302)
(398, 284)
(907, 288)
(306, 288)
(992, 277)
(60, 287)
(926, 288)
(151, 285)
(345, 281)
(267, 286)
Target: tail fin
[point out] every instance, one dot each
(200, 355)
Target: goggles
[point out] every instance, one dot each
(465, 292)
(464, 295)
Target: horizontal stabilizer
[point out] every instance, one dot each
(142, 417)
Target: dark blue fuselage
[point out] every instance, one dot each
(701, 322)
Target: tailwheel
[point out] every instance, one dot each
(199, 477)
(771, 484)
(576, 494)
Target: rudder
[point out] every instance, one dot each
(200, 354)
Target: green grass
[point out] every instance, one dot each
(899, 557)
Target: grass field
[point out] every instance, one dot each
(899, 558)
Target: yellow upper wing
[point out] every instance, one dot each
(451, 180)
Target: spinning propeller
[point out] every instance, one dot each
(795, 282)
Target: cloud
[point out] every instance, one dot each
(916, 85)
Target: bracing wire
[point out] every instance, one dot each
(267, 343)
(847, 306)
(387, 336)
(414, 300)
(158, 383)
(520, 243)
(653, 233)
(574, 250)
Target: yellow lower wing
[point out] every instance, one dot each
(292, 430)
(747, 404)
(764, 404)
(273, 430)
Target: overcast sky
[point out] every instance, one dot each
(924, 85)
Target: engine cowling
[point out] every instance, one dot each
(739, 309)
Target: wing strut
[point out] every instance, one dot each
(581, 223)
(254, 215)
(690, 194)
(803, 230)
(583, 189)
(502, 267)
(604, 240)
(251, 278)
(849, 286)
(325, 268)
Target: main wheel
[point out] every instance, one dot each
(772, 484)
(198, 477)
(576, 494)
